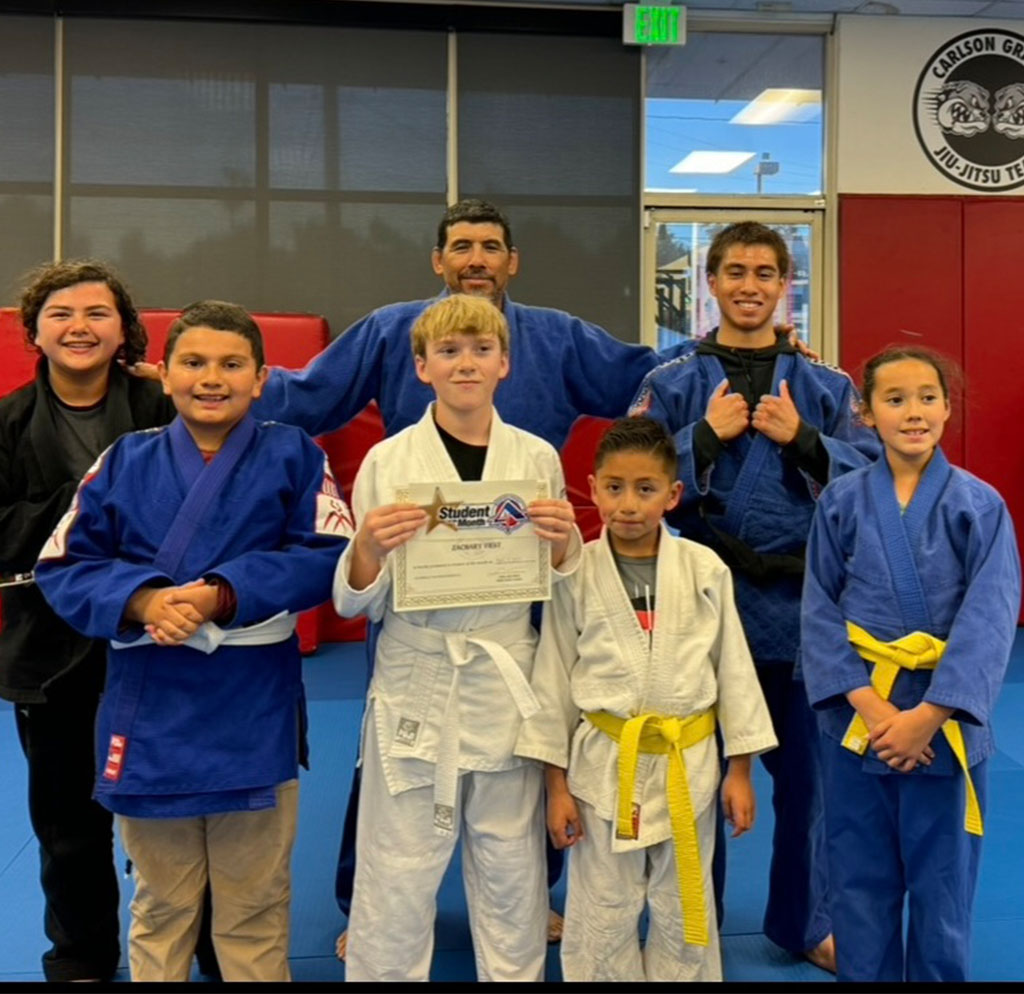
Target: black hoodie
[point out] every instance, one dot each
(750, 373)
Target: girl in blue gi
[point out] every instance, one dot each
(910, 606)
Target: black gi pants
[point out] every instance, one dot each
(76, 839)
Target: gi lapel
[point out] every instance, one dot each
(901, 532)
(46, 447)
(203, 482)
(499, 446)
(632, 640)
(437, 465)
(759, 452)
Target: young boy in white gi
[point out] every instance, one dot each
(191, 548)
(450, 686)
(630, 693)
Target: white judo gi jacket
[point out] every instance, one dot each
(594, 656)
(414, 670)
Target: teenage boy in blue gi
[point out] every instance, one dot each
(760, 430)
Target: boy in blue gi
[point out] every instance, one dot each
(910, 609)
(760, 430)
(180, 545)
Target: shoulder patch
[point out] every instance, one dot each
(642, 404)
(56, 546)
(332, 514)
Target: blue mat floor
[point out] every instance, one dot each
(335, 682)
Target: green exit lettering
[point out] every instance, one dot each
(657, 25)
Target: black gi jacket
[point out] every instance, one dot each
(37, 647)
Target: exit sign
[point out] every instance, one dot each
(653, 24)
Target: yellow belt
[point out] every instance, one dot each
(661, 734)
(916, 651)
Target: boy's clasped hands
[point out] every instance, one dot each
(171, 615)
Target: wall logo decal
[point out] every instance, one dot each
(969, 110)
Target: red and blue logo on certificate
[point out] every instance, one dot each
(508, 513)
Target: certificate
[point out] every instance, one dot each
(477, 547)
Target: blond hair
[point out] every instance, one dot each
(459, 314)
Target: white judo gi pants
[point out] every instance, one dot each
(400, 860)
(606, 895)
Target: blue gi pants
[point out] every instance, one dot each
(797, 914)
(890, 836)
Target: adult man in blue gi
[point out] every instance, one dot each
(561, 367)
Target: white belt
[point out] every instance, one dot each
(460, 648)
(209, 637)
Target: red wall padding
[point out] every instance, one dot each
(940, 271)
(578, 462)
(901, 282)
(994, 348)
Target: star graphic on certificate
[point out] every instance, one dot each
(433, 510)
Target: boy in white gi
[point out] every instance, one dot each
(450, 686)
(628, 711)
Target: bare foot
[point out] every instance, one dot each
(341, 946)
(823, 955)
(555, 924)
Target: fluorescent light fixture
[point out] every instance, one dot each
(712, 162)
(780, 106)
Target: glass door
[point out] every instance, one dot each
(677, 302)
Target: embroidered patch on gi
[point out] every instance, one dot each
(408, 731)
(115, 758)
(332, 514)
(444, 817)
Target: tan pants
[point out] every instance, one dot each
(247, 857)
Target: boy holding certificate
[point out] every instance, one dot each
(641, 655)
(450, 684)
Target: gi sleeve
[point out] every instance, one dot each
(298, 574)
(548, 734)
(556, 487)
(742, 712)
(372, 600)
(80, 570)
(602, 373)
(970, 673)
(831, 666)
(334, 386)
(848, 441)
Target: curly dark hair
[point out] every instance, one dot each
(53, 276)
